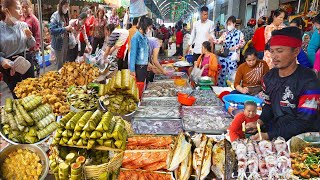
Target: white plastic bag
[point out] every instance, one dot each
(234, 56)
(196, 74)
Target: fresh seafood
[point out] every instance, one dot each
(305, 164)
(162, 101)
(206, 98)
(145, 175)
(175, 75)
(118, 104)
(198, 155)
(205, 119)
(185, 169)
(156, 126)
(206, 162)
(264, 160)
(151, 161)
(178, 153)
(149, 142)
(157, 112)
(253, 166)
(220, 152)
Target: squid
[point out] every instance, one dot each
(271, 164)
(242, 167)
(253, 166)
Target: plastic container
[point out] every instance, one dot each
(189, 58)
(180, 82)
(239, 98)
(141, 87)
(185, 100)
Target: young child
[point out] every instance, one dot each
(249, 115)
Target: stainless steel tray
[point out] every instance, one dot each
(160, 101)
(206, 98)
(205, 119)
(156, 126)
(161, 77)
(159, 112)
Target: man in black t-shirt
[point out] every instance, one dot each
(291, 92)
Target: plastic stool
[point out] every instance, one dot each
(141, 87)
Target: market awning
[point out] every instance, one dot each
(174, 10)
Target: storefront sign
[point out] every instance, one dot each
(262, 8)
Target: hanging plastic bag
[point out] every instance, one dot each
(196, 74)
(234, 56)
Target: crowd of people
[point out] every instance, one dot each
(278, 60)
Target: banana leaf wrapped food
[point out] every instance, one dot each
(30, 139)
(91, 143)
(85, 135)
(109, 143)
(18, 117)
(12, 122)
(112, 83)
(4, 119)
(6, 129)
(81, 160)
(104, 124)
(125, 79)
(63, 141)
(101, 90)
(83, 121)
(41, 112)
(118, 129)
(46, 121)
(30, 104)
(20, 127)
(67, 133)
(93, 121)
(71, 124)
(64, 170)
(76, 169)
(47, 130)
(76, 135)
(100, 141)
(55, 141)
(63, 121)
(95, 135)
(59, 133)
(8, 105)
(25, 115)
(118, 80)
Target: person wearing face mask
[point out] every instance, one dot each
(59, 29)
(233, 40)
(34, 27)
(15, 39)
(258, 40)
(275, 23)
(78, 27)
(139, 53)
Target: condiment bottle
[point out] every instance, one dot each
(259, 107)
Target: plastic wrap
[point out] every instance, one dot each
(157, 112)
(156, 126)
(160, 101)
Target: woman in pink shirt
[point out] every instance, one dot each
(34, 27)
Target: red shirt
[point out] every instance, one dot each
(258, 39)
(87, 25)
(179, 37)
(34, 27)
(235, 129)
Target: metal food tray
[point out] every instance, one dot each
(161, 77)
(157, 126)
(159, 112)
(173, 92)
(206, 95)
(200, 114)
(160, 101)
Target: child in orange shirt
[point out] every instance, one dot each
(249, 115)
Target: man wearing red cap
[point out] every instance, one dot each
(291, 92)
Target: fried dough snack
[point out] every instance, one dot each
(78, 74)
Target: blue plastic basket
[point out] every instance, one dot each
(46, 58)
(189, 58)
(239, 98)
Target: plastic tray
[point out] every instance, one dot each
(205, 119)
(156, 126)
(206, 98)
(161, 77)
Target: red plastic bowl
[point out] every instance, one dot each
(185, 100)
